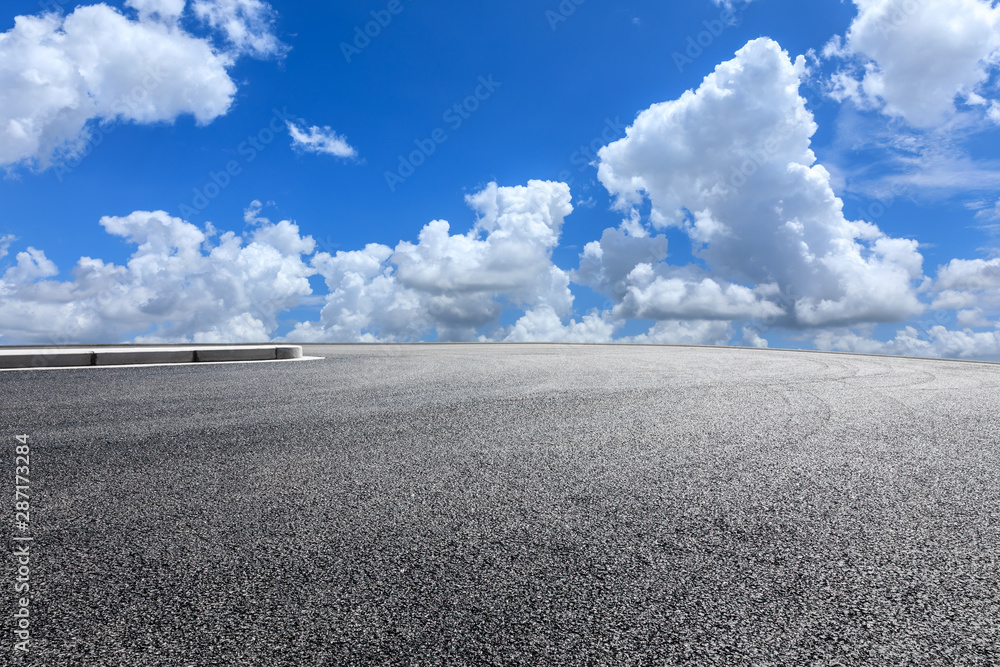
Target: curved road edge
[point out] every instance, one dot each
(98, 355)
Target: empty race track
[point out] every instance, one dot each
(531, 504)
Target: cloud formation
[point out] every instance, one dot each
(61, 74)
(685, 332)
(322, 140)
(968, 284)
(451, 284)
(730, 164)
(180, 285)
(936, 341)
(5, 242)
(246, 24)
(544, 324)
(167, 10)
(731, 4)
(913, 58)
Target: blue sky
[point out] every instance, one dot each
(232, 170)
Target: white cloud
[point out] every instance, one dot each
(31, 265)
(752, 338)
(544, 325)
(969, 274)
(971, 318)
(508, 250)
(937, 341)
(658, 297)
(247, 25)
(364, 303)
(989, 211)
(685, 332)
(169, 10)
(5, 242)
(177, 286)
(60, 75)
(943, 170)
(731, 165)
(968, 284)
(732, 4)
(897, 161)
(252, 216)
(994, 112)
(321, 140)
(915, 57)
(454, 284)
(606, 264)
(243, 327)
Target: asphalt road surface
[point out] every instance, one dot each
(506, 505)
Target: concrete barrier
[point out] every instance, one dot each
(289, 352)
(143, 356)
(20, 358)
(42, 358)
(241, 354)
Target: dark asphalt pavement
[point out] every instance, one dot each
(511, 505)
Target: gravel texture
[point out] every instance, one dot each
(506, 505)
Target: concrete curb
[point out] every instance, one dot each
(55, 357)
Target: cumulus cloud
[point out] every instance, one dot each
(936, 341)
(178, 286)
(605, 265)
(970, 274)
(681, 295)
(972, 318)
(543, 324)
(730, 164)
(61, 74)
(752, 338)
(913, 58)
(685, 332)
(31, 265)
(452, 284)
(968, 284)
(321, 140)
